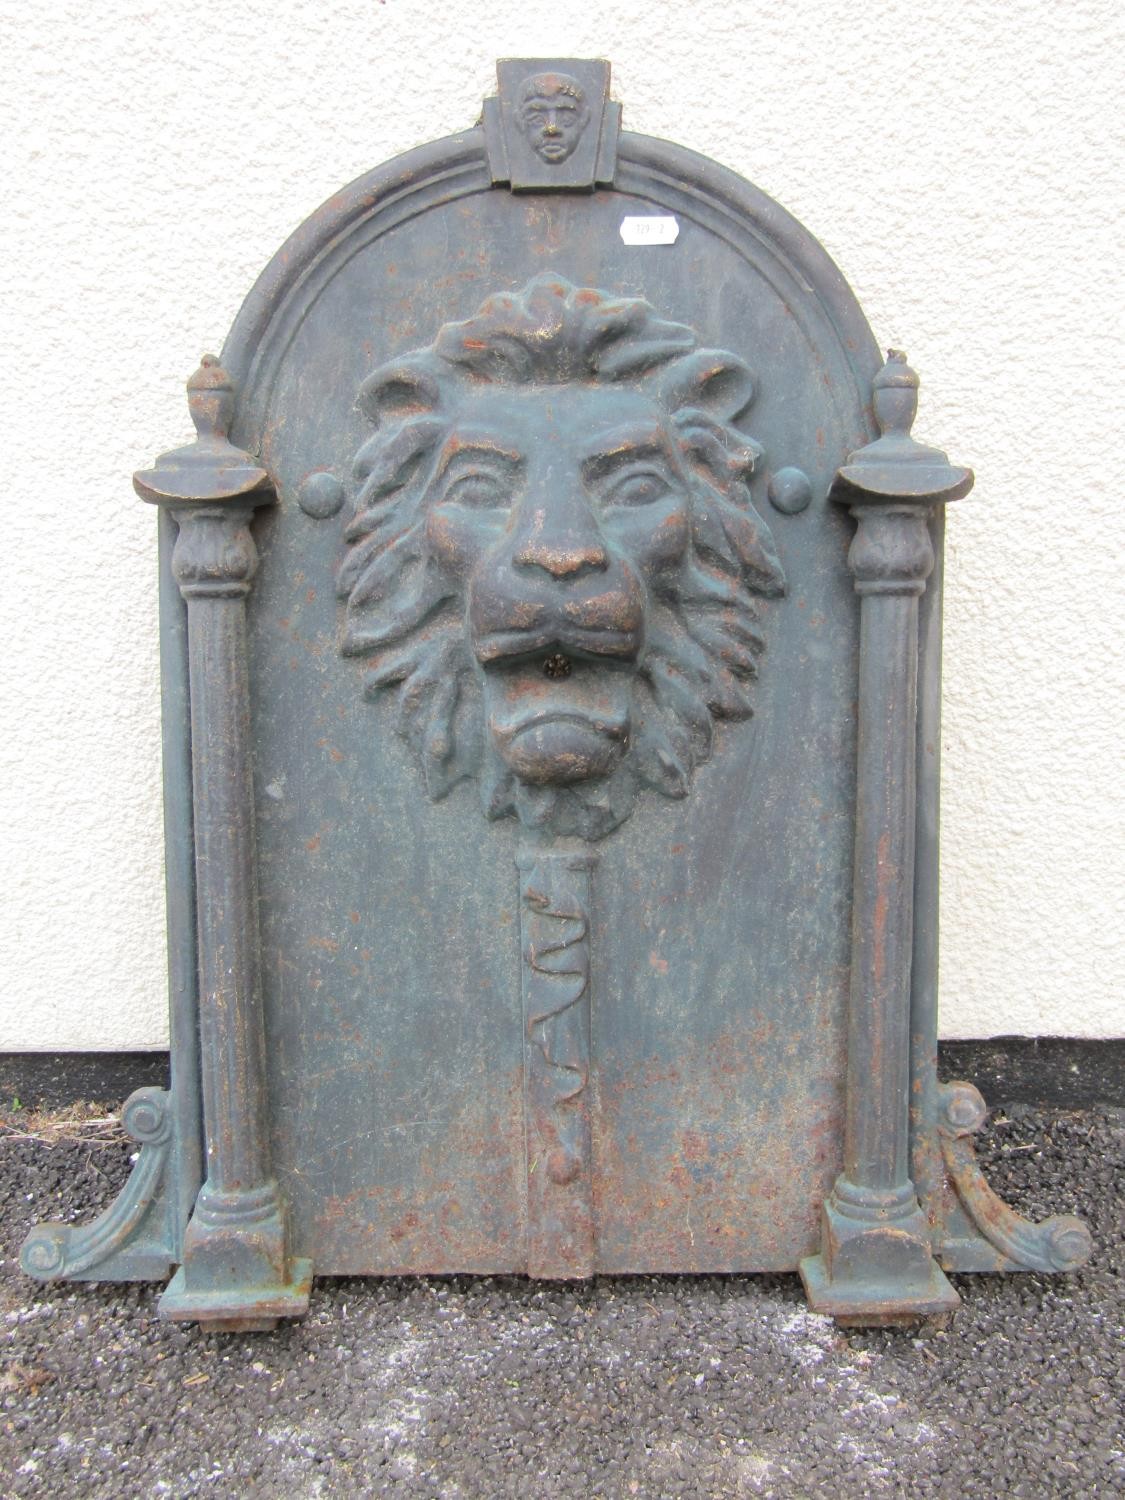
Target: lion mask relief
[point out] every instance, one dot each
(553, 554)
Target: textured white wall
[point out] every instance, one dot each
(963, 164)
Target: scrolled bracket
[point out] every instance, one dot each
(1060, 1243)
(128, 1241)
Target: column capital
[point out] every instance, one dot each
(891, 552)
(214, 556)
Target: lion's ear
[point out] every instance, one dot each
(711, 380)
(396, 391)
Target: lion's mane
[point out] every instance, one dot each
(405, 614)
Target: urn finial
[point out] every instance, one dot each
(896, 468)
(210, 468)
(211, 398)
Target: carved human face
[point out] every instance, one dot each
(552, 115)
(558, 509)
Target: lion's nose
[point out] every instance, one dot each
(565, 553)
(563, 562)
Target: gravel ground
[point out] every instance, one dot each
(638, 1386)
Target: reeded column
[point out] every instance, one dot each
(236, 1271)
(876, 1262)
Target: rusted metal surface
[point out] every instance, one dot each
(876, 1256)
(235, 1263)
(565, 898)
(133, 1238)
(985, 1233)
(561, 575)
(555, 930)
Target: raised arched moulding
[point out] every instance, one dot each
(658, 173)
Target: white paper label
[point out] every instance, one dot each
(649, 230)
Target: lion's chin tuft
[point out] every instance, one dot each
(562, 750)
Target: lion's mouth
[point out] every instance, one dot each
(613, 726)
(570, 645)
(549, 688)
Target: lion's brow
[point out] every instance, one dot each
(623, 445)
(465, 443)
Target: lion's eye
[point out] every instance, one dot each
(638, 487)
(480, 491)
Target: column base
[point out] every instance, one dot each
(237, 1274)
(252, 1310)
(876, 1271)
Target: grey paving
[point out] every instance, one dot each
(650, 1387)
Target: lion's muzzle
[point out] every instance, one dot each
(512, 614)
(557, 727)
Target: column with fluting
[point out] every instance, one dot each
(876, 1262)
(237, 1271)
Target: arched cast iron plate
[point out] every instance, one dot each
(390, 923)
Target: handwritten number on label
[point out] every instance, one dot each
(649, 229)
